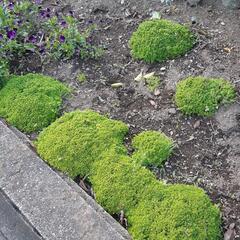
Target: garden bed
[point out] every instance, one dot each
(206, 152)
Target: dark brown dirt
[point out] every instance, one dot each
(207, 149)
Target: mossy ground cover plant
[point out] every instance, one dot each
(128, 182)
(153, 83)
(158, 40)
(31, 102)
(87, 143)
(202, 96)
(73, 142)
(181, 213)
(152, 148)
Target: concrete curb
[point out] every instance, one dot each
(55, 206)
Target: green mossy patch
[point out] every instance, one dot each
(153, 83)
(159, 40)
(181, 213)
(87, 143)
(118, 183)
(73, 142)
(202, 96)
(152, 148)
(31, 102)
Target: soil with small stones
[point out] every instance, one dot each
(207, 151)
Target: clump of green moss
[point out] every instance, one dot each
(118, 183)
(202, 96)
(181, 213)
(73, 142)
(81, 78)
(152, 148)
(31, 102)
(153, 83)
(159, 40)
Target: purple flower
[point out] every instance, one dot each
(62, 39)
(11, 5)
(18, 22)
(32, 39)
(1, 36)
(45, 13)
(11, 34)
(41, 48)
(63, 24)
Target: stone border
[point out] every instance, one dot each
(55, 206)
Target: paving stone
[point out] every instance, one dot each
(56, 208)
(12, 224)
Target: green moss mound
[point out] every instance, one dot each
(31, 102)
(152, 148)
(183, 213)
(118, 183)
(87, 143)
(73, 142)
(202, 96)
(159, 40)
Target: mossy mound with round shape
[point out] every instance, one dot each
(202, 96)
(31, 102)
(118, 183)
(159, 40)
(184, 213)
(152, 148)
(77, 139)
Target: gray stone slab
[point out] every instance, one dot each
(12, 224)
(2, 237)
(58, 209)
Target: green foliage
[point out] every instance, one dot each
(26, 26)
(18, 20)
(159, 40)
(67, 42)
(118, 183)
(4, 72)
(73, 142)
(81, 78)
(181, 213)
(152, 148)
(153, 83)
(31, 102)
(202, 96)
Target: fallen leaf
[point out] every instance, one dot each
(149, 75)
(156, 15)
(197, 124)
(139, 77)
(117, 85)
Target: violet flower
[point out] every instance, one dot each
(11, 6)
(45, 13)
(11, 34)
(62, 39)
(64, 24)
(32, 39)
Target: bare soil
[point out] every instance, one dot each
(207, 150)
